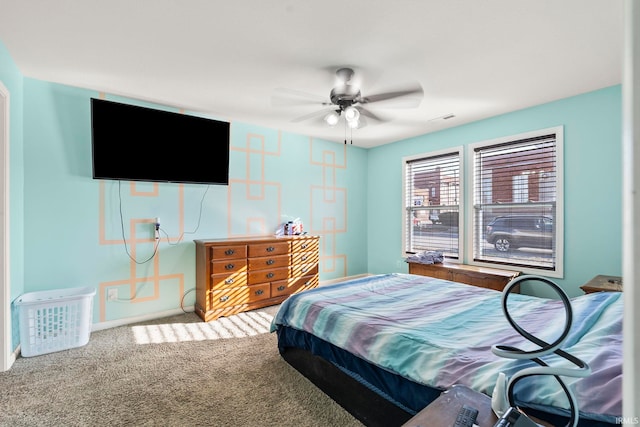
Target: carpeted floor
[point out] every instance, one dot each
(176, 371)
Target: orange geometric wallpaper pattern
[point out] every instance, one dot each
(265, 196)
(329, 197)
(133, 281)
(328, 213)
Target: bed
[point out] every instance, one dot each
(385, 346)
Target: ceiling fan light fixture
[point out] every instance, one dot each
(353, 124)
(351, 114)
(332, 118)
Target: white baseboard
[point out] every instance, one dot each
(13, 356)
(159, 315)
(137, 319)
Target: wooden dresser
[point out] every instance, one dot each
(240, 274)
(491, 278)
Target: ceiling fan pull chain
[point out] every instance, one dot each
(345, 133)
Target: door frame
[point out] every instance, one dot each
(7, 357)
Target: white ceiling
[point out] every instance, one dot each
(227, 59)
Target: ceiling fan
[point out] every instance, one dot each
(347, 101)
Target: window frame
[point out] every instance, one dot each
(469, 199)
(459, 150)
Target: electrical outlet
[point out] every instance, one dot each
(157, 228)
(112, 294)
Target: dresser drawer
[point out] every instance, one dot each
(304, 245)
(305, 258)
(303, 269)
(230, 280)
(287, 287)
(237, 296)
(228, 266)
(482, 280)
(267, 275)
(229, 252)
(268, 262)
(268, 249)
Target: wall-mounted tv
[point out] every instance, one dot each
(143, 144)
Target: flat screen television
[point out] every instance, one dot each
(143, 144)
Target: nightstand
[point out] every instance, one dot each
(603, 283)
(443, 411)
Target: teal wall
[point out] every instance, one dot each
(592, 181)
(12, 79)
(73, 230)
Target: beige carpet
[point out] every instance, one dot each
(177, 371)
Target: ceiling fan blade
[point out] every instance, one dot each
(282, 101)
(403, 98)
(362, 122)
(371, 115)
(318, 113)
(298, 95)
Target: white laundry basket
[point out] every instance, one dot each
(54, 320)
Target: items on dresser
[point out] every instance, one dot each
(490, 278)
(427, 257)
(240, 274)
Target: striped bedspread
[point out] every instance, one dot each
(440, 333)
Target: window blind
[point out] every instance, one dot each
(515, 191)
(432, 197)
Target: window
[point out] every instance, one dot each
(431, 198)
(517, 212)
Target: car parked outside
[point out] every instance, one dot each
(517, 231)
(450, 219)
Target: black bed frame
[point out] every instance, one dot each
(364, 404)
(367, 406)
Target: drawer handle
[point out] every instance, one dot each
(304, 258)
(304, 269)
(259, 292)
(270, 262)
(271, 249)
(229, 281)
(282, 287)
(304, 246)
(229, 252)
(229, 266)
(224, 298)
(270, 275)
